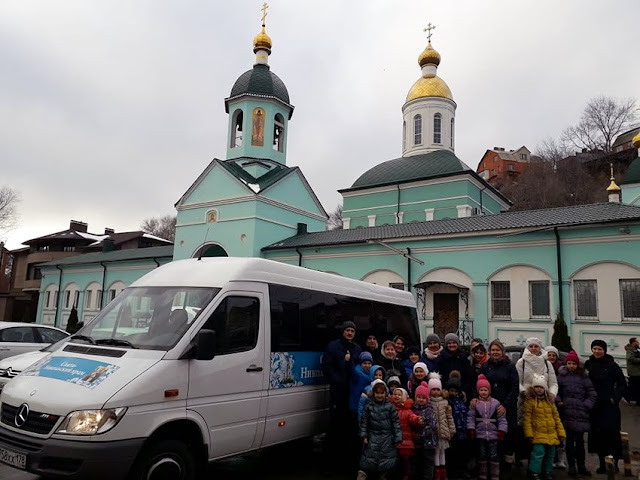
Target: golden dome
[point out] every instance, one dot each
(613, 187)
(429, 57)
(636, 141)
(262, 42)
(429, 87)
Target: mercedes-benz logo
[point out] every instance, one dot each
(21, 415)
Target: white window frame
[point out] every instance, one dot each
(397, 285)
(548, 284)
(47, 298)
(636, 282)
(88, 299)
(437, 129)
(67, 299)
(577, 301)
(493, 299)
(417, 129)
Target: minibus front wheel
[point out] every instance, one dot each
(165, 459)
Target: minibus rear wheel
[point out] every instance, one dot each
(165, 460)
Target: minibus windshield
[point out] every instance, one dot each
(152, 318)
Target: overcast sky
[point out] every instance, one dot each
(111, 109)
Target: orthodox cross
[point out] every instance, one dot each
(611, 165)
(264, 12)
(521, 339)
(428, 30)
(612, 344)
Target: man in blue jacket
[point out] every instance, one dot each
(338, 361)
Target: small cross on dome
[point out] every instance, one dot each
(428, 30)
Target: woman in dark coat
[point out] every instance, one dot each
(503, 377)
(606, 418)
(452, 358)
(431, 354)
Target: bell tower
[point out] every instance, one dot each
(259, 108)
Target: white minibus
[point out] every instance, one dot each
(198, 360)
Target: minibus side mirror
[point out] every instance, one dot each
(205, 345)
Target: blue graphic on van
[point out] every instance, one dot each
(87, 373)
(292, 369)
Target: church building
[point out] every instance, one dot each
(423, 222)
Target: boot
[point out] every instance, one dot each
(443, 473)
(361, 475)
(602, 469)
(582, 470)
(436, 473)
(560, 459)
(494, 468)
(482, 470)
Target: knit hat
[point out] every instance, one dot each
(532, 341)
(398, 337)
(423, 389)
(348, 324)
(413, 349)
(451, 337)
(432, 337)
(539, 381)
(377, 381)
(434, 381)
(478, 347)
(394, 378)
(366, 357)
(498, 344)
(552, 349)
(483, 383)
(455, 380)
(405, 394)
(572, 356)
(599, 343)
(421, 365)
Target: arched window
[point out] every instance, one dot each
(452, 131)
(257, 132)
(437, 128)
(236, 132)
(278, 133)
(404, 135)
(417, 130)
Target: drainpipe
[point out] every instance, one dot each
(157, 264)
(299, 257)
(104, 278)
(55, 319)
(398, 207)
(408, 269)
(559, 262)
(481, 207)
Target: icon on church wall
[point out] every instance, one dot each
(257, 133)
(212, 216)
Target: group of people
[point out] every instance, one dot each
(437, 412)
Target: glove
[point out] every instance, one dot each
(501, 436)
(472, 433)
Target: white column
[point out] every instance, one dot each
(372, 220)
(346, 222)
(429, 213)
(463, 211)
(399, 217)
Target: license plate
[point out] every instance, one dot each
(14, 459)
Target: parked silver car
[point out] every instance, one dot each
(17, 338)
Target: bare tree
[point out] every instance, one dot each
(551, 150)
(9, 200)
(602, 120)
(335, 219)
(163, 227)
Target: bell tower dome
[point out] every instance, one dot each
(258, 107)
(429, 111)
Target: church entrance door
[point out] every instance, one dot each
(445, 314)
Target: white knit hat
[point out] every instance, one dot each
(534, 340)
(434, 381)
(421, 365)
(539, 381)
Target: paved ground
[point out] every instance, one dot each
(302, 461)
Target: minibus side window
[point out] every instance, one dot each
(236, 321)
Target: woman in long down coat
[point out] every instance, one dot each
(606, 419)
(501, 374)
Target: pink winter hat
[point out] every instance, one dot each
(572, 356)
(423, 389)
(483, 383)
(434, 381)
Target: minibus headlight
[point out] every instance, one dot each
(91, 422)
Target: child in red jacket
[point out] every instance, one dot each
(406, 449)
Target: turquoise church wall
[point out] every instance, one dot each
(271, 108)
(631, 194)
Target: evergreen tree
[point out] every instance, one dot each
(560, 338)
(72, 323)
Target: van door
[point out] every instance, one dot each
(227, 391)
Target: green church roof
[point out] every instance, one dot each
(260, 81)
(277, 172)
(416, 167)
(633, 172)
